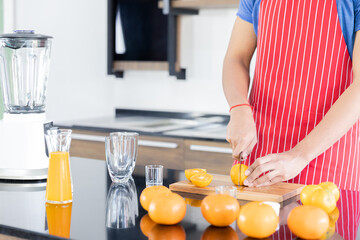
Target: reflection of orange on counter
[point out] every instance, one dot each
(59, 219)
(58, 187)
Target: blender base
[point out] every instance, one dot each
(22, 147)
(23, 174)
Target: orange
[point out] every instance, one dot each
(257, 220)
(201, 179)
(193, 202)
(161, 232)
(306, 193)
(191, 172)
(234, 174)
(146, 224)
(148, 194)
(334, 215)
(332, 188)
(167, 208)
(250, 238)
(323, 199)
(308, 222)
(217, 233)
(330, 231)
(220, 210)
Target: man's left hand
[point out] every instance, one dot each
(275, 168)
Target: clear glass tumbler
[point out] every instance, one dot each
(153, 175)
(58, 186)
(228, 190)
(121, 152)
(121, 205)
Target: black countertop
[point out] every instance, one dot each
(23, 209)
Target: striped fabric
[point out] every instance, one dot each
(302, 67)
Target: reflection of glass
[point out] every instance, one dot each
(58, 188)
(121, 205)
(121, 152)
(59, 219)
(153, 175)
(228, 190)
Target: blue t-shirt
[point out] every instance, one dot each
(348, 12)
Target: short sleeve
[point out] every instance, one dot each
(357, 14)
(246, 9)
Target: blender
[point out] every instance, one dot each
(24, 69)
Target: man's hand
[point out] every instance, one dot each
(276, 168)
(241, 132)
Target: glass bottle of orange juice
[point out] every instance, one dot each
(58, 187)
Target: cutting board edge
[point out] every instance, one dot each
(239, 195)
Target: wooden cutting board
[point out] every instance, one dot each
(276, 193)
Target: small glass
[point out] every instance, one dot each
(229, 190)
(121, 205)
(153, 175)
(58, 186)
(121, 152)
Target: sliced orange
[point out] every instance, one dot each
(236, 175)
(201, 179)
(191, 172)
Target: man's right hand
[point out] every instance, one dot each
(241, 132)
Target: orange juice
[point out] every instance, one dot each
(59, 219)
(58, 187)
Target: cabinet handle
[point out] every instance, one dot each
(145, 143)
(157, 144)
(202, 148)
(86, 137)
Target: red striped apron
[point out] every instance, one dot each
(302, 67)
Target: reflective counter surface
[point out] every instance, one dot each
(102, 210)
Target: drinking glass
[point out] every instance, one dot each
(228, 190)
(121, 205)
(58, 187)
(153, 175)
(121, 152)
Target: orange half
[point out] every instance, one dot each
(191, 172)
(201, 179)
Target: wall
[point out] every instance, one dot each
(204, 41)
(1, 31)
(79, 86)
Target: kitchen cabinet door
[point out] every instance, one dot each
(168, 152)
(216, 157)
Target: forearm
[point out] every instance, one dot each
(236, 78)
(236, 81)
(337, 121)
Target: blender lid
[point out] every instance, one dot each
(25, 34)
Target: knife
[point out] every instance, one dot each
(239, 168)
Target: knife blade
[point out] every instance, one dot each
(239, 169)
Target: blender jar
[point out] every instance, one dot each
(24, 70)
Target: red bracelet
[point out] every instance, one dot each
(239, 105)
